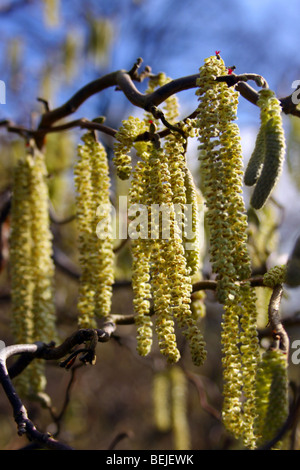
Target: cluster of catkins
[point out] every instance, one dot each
(93, 205)
(162, 266)
(32, 270)
(166, 256)
(222, 176)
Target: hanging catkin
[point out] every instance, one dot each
(222, 173)
(272, 396)
(266, 161)
(160, 270)
(141, 251)
(32, 270)
(95, 237)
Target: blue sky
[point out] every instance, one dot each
(171, 35)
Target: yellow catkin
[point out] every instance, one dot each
(43, 308)
(141, 251)
(170, 267)
(160, 266)
(32, 264)
(194, 229)
(20, 255)
(180, 425)
(161, 401)
(95, 245)
(222, 178)
(125, 137)
(21, 264)
(272, 396)
(256, 160)
(160, 193)
(265, 165)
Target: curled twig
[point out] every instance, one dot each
(279, 334)
(24, 424)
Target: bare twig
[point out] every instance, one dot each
(279, 334)
(24, 424)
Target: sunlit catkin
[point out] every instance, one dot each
(21, 265)
(171, 270)
(94, 227)
(222, 178)
(141, 249)
(256, 160)
(272, 396)
(265, 165)
(32, 264)
(125, 137)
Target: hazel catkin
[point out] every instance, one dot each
(95, 238)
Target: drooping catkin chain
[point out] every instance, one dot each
(265, 164)
(141, 251)
(94, 226)
(160, 269)
(32, 269)
(222, 173)
(125, 136)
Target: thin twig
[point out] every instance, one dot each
(279, 334)
(24, 424)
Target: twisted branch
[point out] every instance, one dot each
(124, 81)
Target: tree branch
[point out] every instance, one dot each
(24, 424)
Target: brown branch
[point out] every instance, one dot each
(124, 81)
(279, 334)
(24, 424)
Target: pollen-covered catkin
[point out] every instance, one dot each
(43, 309)
(43, 270)
(265, 165)
(125, 137)
(20, 255)
(256, 160)
(194, 221)
(161, 267)
(174, 269)
(94, 227)
(21, 265)
(272, 396)
(33, 311)
(141, 250)
(222, 177)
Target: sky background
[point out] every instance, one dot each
(173, 36)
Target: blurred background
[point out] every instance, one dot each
(51, 48)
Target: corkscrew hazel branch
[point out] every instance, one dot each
(280, 336)
(124, 81)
